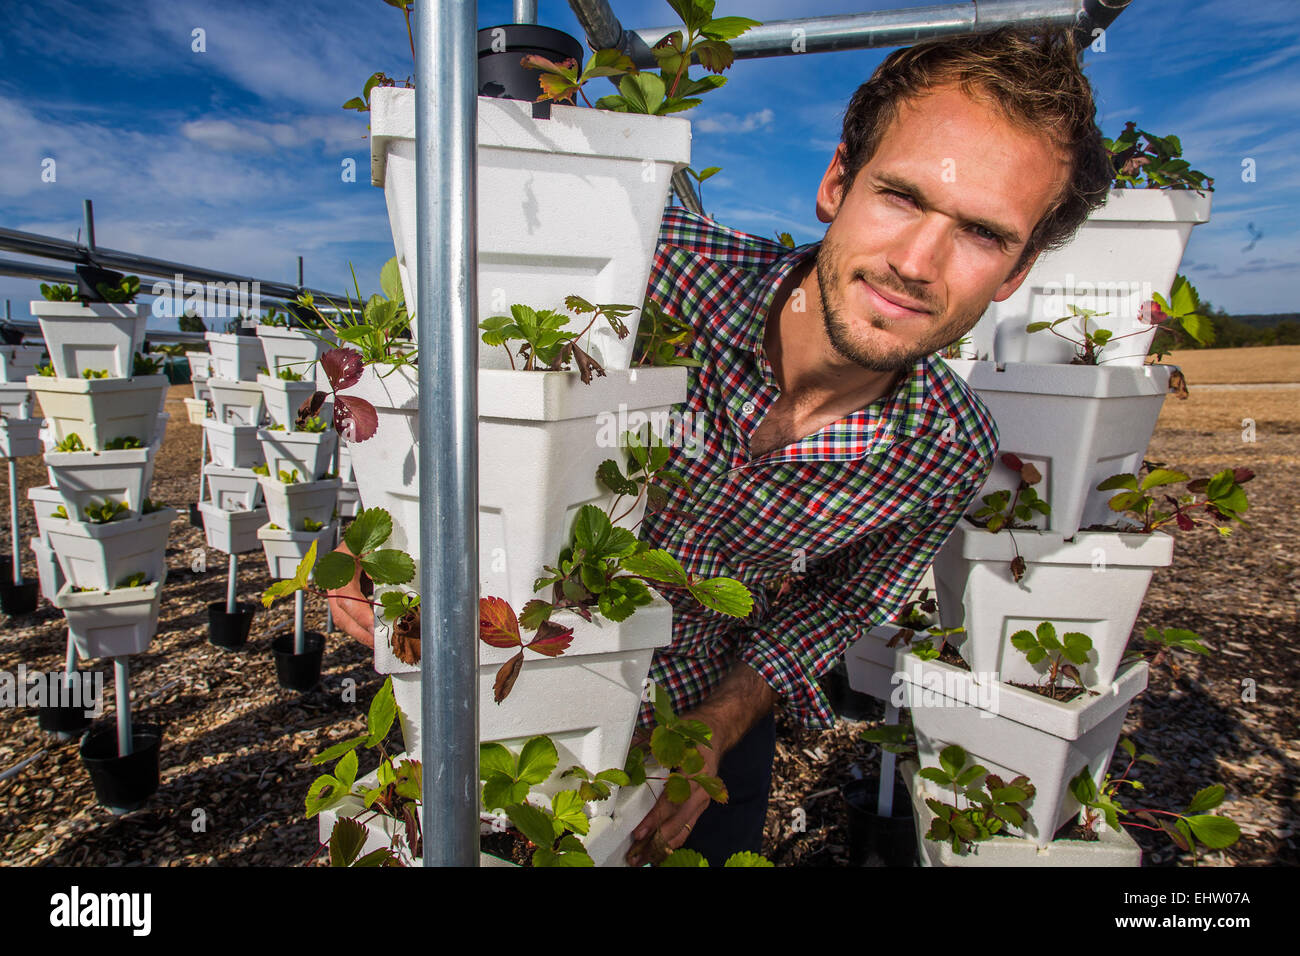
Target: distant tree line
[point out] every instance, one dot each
(1239, 331)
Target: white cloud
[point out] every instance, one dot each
(730, 123)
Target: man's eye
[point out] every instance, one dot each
(903, 196)
(985, 234)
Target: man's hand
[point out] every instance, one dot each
(738, 703)
(351, 608)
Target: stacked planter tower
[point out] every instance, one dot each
(108, 539)
(19, 438)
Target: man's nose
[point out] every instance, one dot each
(919, 250)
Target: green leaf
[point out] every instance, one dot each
(1214, 831)
(644, 92)
(1206, 799)
(677, 788)
(496, 758)
(297, 583)
(1119, 481)
(339, 749)
(501, 791)
(728, 28)
(936, 775)
(1162, 476)
(657, 565)
(611, 476)
(1077, 646)
(668, 746)
(325, 791)
(1047, 636)
(383, 710)
(748, 859)
(335, 570)
(346, 770)
(537, 760)
(952, 758)
(346, 840)
(388, 566)
(533, 823)
(567, 812)
(368, 531)
(724, 595)
(390, 280)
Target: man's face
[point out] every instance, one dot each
(928, 232)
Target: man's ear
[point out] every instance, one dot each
(1013, 282)
(830, 193)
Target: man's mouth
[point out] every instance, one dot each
(890, 304)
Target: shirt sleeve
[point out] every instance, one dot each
(861, 586)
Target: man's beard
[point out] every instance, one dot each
(874, 358)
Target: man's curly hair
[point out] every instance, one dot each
(1033, 76)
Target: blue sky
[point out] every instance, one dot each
(231, 158)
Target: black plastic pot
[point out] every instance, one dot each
(893, 838)
(125, 783)
(845, 701)
(89, 278)
(196, 517)
(16, 599)
(298, 671)
(499, 71)
(56, 719)
(230, 630)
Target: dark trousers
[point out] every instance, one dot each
(746, 769)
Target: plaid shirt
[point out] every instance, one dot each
(850, 516)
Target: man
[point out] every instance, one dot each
(838, 453)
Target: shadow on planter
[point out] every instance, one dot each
(230, 630)
(893, 838)
(845, 701)
(122, 784)
(196, 517)
(18, 599)
(299, 672)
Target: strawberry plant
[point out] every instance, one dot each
(1003, 509)
(59, 292)
(45, 370)
(1163, 643)
(1224, 498)
(288, 375)
(124, 290)
(71, 442)
(122, 443)
(1155, 164)
(106, 511)
(977, 812)
(144, 365)
(94, 373)
(133, 581)
(1191, 829)
(545, 344)
(1065, 655)
(659, 338)
(673, 89)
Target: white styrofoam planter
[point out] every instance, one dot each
(231, 532)
(200, 365)
(91, 335)
(284, 397)
(237, 403)
(233, 489)
(112, 623)
(284, 549)
(102, 555)
(1010, 731)
(1093, 584)
(44, 499)
(47, 568)
(236, 357)
(20, 437)
(562, 427)
(1128, 249)
(1076, 424)
(308, 453)
(196, 410)
(345, 463)
(160, 432)
(233, 446)
(349, 502)
(19, 361)
(874, 667)
(15, 400)
(288, 505)
(83, 477)
(587, 192)
(293, 349)
(100, 410)
(1111, 849)
(201, 391)
(586, 700)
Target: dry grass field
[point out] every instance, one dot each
(1272, 363)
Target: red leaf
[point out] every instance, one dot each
(497, 624)
(310, 407)
(1242, 475)
(1012, 461)
(1030, 475)
(354, 418)
(1184, 522)
(507, 676)
(552, 639)
(1017, 567)
(343, 367)
(1152, 314)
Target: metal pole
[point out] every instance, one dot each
(70, 656)
(525, 11)
(13, 521)
(300, 272)
(329, 611)
(88, 214)
(885, 797)
(446, 109)
(122, 687)
(231, 606)
(299, 635)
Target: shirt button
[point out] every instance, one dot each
(747, 408)
(689, 534)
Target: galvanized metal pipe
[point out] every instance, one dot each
(885, 795)
(446, 112)
(525, 11)
(299, 634)
(13, 521)
(122, 690)
(231, 580)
